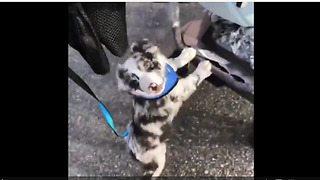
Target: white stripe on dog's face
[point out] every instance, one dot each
(132, 66)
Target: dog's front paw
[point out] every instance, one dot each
(204, 69)
(189, 53)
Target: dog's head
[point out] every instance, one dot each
(143, 73)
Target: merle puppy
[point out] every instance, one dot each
(143, 74)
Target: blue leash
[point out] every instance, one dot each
(171, 81)
(75, 78)
(109, 120)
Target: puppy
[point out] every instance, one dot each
(143, 74)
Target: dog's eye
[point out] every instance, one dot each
(121, 73)
(157, 65)
(148, 65)
(135, 76)
(134, 84)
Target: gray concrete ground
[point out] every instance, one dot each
(211, 132)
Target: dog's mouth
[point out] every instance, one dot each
(154, 88)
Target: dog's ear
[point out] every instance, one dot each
(140, 46)
(120, 75)
(134, 47)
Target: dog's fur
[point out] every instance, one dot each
(150, 126)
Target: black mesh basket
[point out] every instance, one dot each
(109, 22)
(93, 24)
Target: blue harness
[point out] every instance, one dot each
(171, 81)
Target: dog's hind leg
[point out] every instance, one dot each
(155, 167)
(161, 160)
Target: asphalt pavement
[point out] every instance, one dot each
(213, 132)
